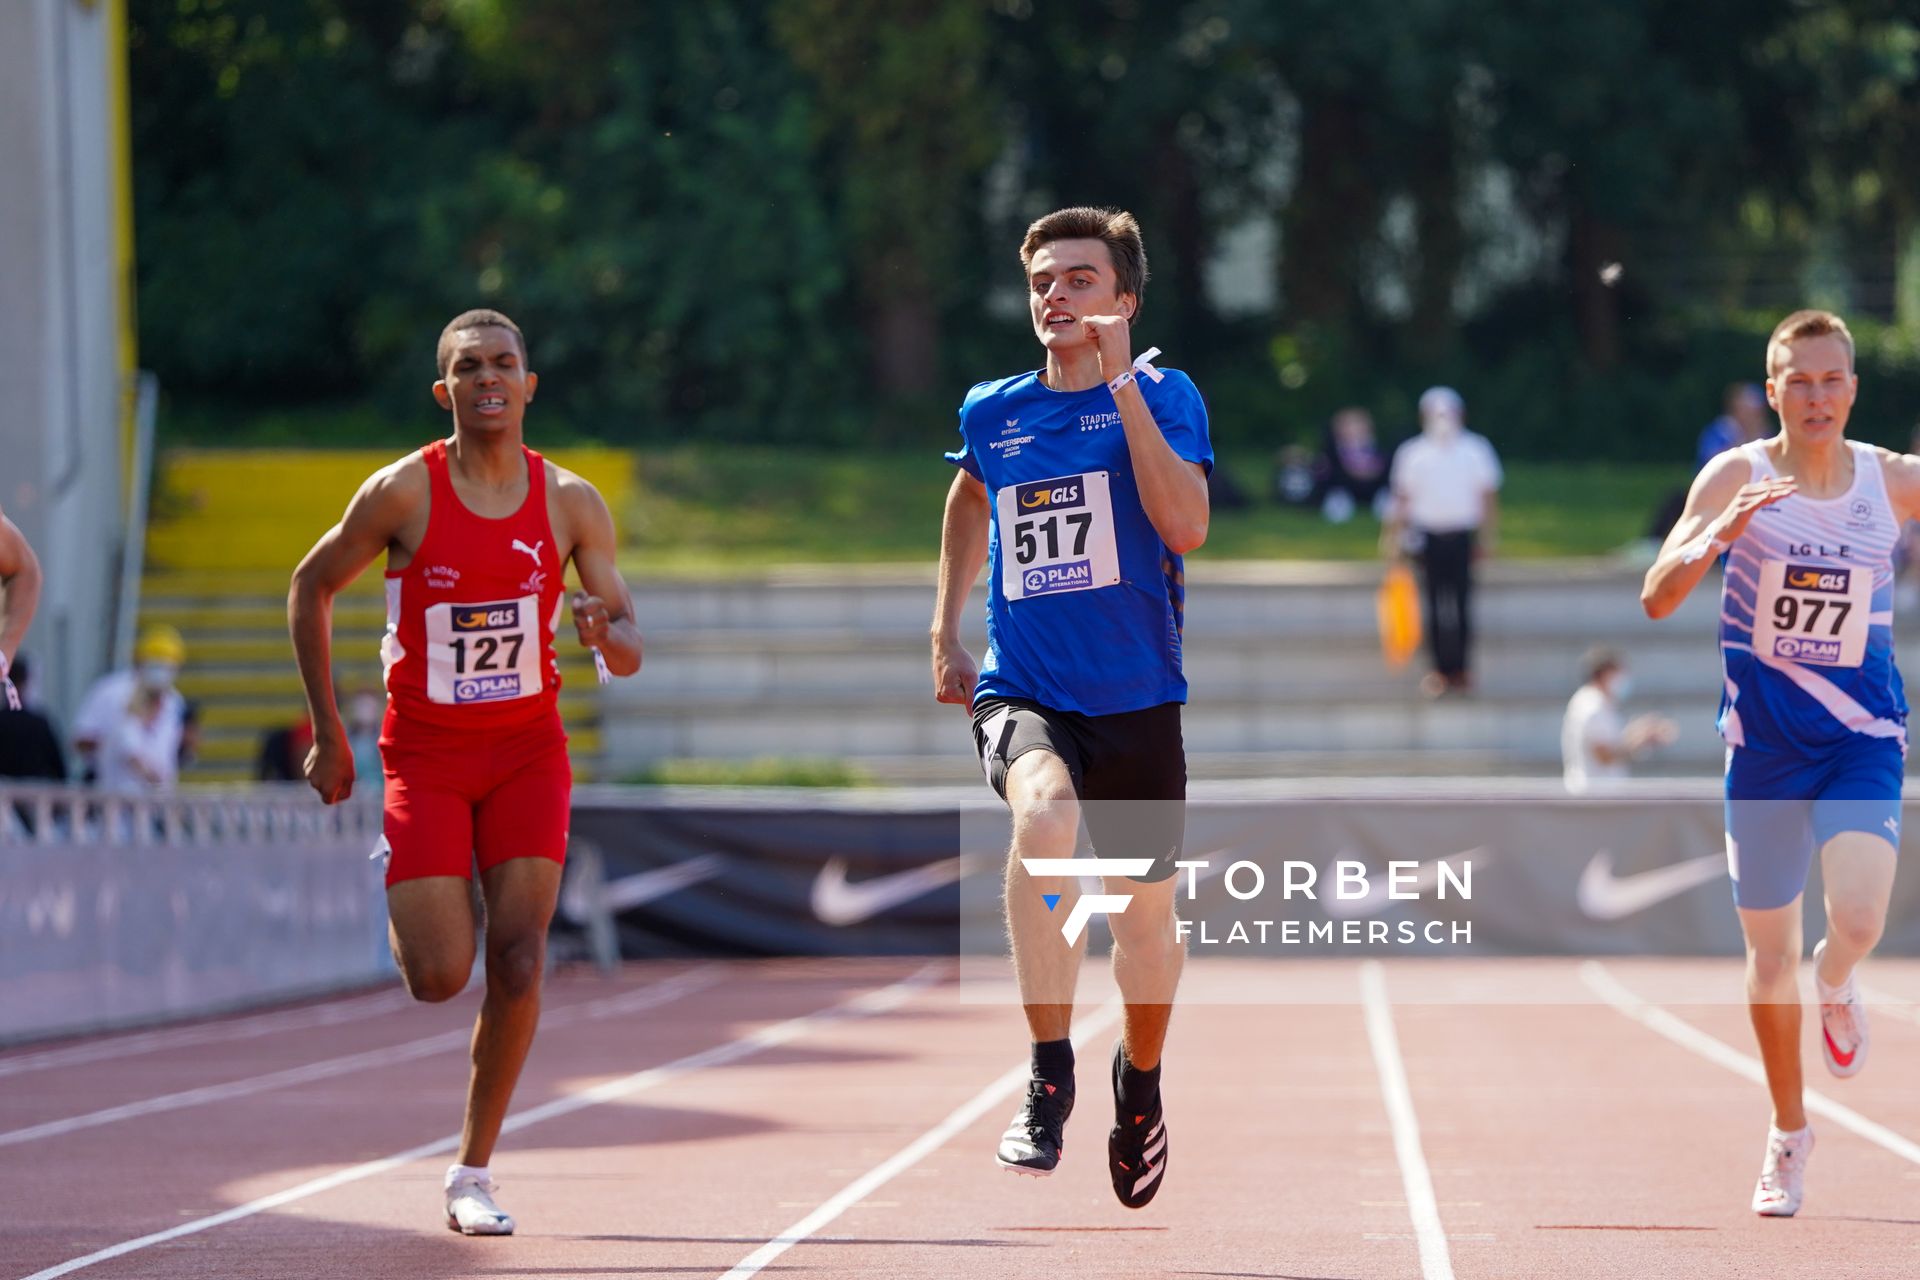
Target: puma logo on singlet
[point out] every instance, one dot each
(533, 550)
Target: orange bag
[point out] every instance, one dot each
(1398, 608)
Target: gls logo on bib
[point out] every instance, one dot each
(1047, 494)
(1803, 577)
(497, 617)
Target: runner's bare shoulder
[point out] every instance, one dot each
(1720, 479)
(396, 494)
(574, 497)
(1902, 474)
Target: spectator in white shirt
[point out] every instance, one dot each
(1445, 483)
(1595, 744)
(131, 723)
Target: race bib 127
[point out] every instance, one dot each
(1057, 535)
(486, 652)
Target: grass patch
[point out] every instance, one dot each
(719, 510)
(765, 772)
(708, 509)
(1547, 510)
(702, 507)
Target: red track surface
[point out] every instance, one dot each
(1562, 1139)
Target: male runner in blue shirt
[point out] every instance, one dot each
(1081, 484)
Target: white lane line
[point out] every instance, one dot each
(866, 1004)
(1603, 984)
(1436, 1263)
(646, 997)
(331, 1014)
(913, 1153)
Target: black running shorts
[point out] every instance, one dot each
(1132, 756)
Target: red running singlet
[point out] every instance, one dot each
(470, 620)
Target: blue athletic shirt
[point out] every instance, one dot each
(1085, 603)
(1806, 618)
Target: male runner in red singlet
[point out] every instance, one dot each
(478, 530)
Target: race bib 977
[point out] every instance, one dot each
(1812, 614)
(488, 652)
(1057, 535)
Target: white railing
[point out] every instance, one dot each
(52, 814)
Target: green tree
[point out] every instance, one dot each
(905, 127)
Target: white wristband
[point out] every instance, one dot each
(1714, 548)
(1120, 380)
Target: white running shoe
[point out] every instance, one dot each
(1784, 1175)
(471, 1210)
(1843, 1021)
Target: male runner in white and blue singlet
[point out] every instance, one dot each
(1812, 709)
(1081, 484)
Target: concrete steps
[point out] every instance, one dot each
(1283, 661)
(241, 678)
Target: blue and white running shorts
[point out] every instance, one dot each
(1783, 805)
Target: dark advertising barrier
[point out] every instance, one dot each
(1641, 872)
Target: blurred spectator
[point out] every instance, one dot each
(1742, 420)
(1224, 492)
(364, 711)
(283, 752)
(29, 747)
(1445, 485)
(1293, 480)
(189, 750)
(1351, 472)
(132, 724)
(1595, 745)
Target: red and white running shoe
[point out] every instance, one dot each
(1843, 1021)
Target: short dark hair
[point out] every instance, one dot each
(1115, 227)
(1598, 661)
(478, 318)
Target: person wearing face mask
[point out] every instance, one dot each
(132, 723)
(1596, 745)
(1445, 484)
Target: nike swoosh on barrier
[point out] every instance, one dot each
(648, 886)
(1605, 896)
(1375, 900)
(838, 902)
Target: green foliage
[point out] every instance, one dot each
(793, 222)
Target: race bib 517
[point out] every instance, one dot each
(1057, 535)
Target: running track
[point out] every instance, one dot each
(837, 1118)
